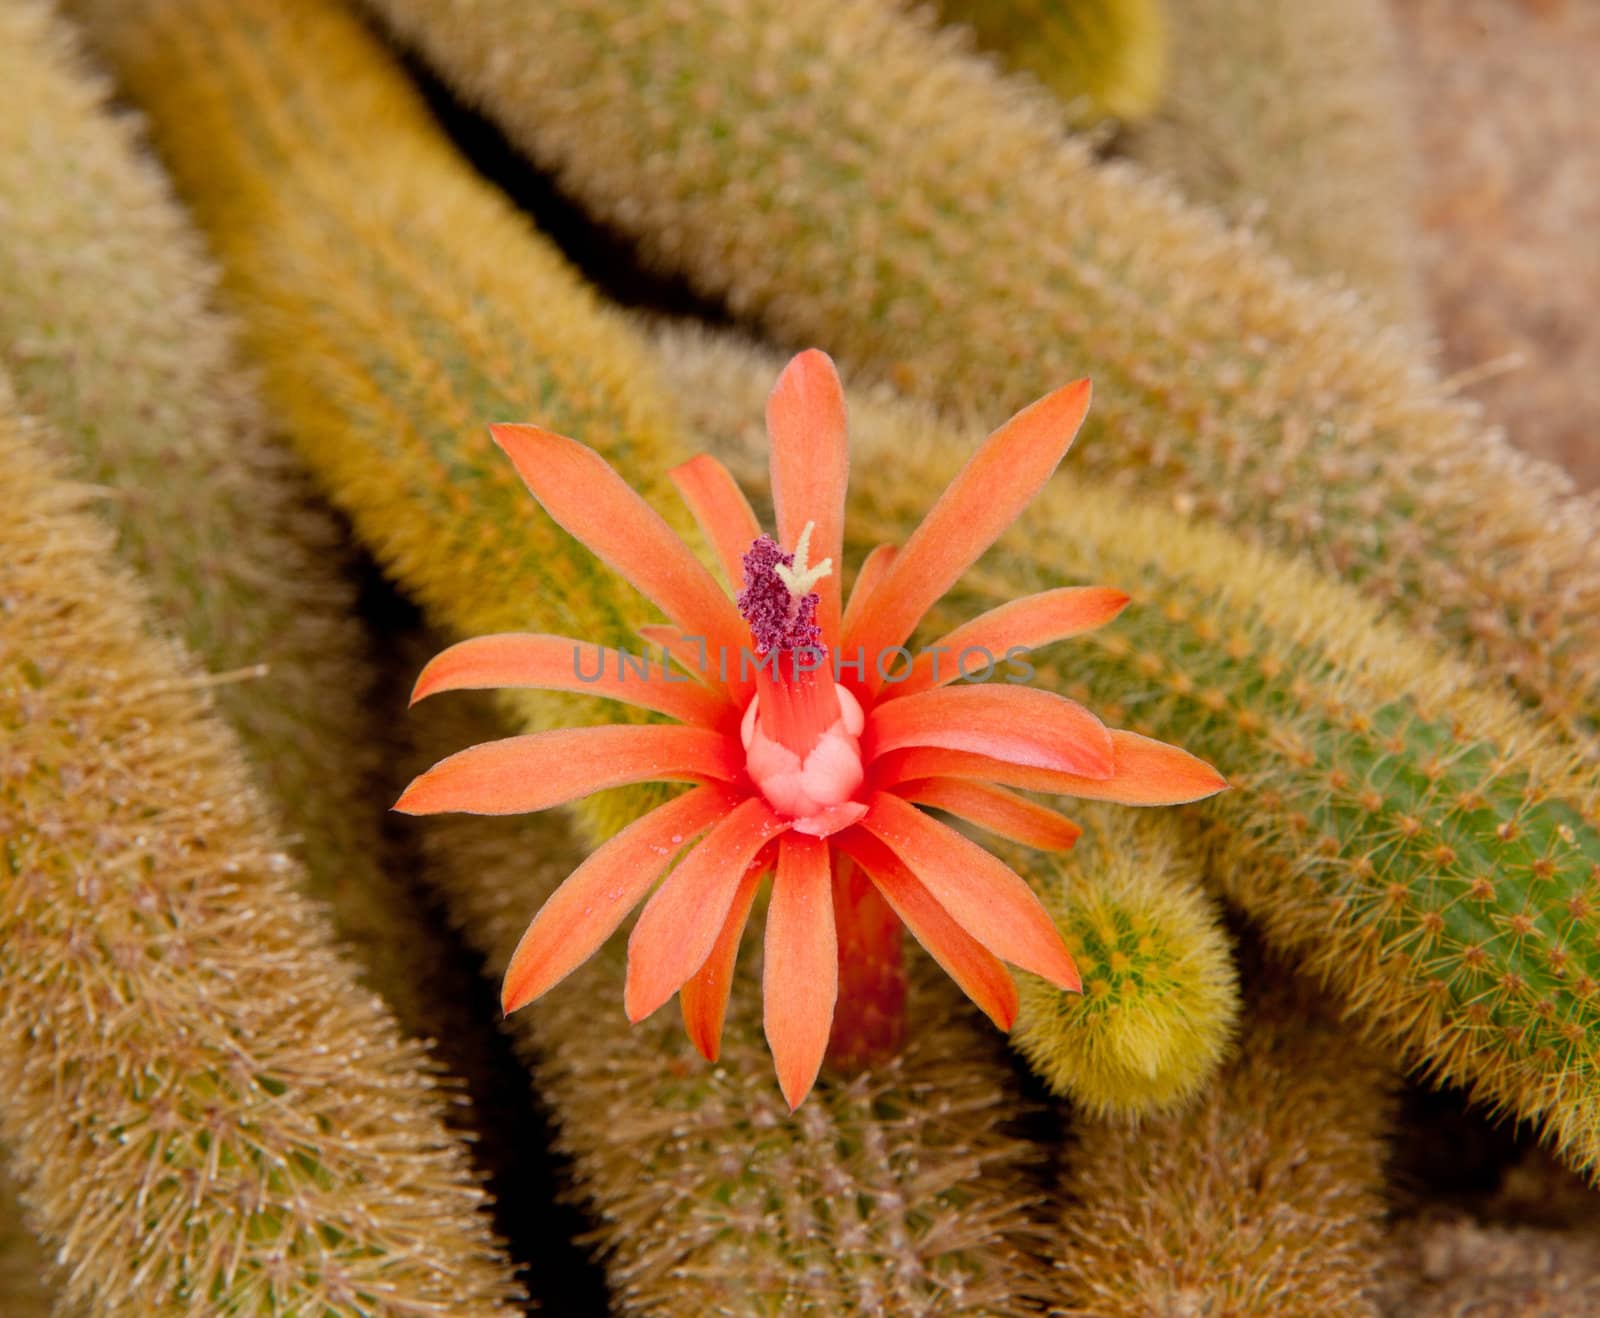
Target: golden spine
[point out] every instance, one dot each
(109, 333)
(1160, 998)
(397, 305)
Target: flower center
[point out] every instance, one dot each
(801, 731)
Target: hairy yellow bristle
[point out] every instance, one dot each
(1160, 998)
(108, 328)
(107, 321)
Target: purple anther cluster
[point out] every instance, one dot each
(777, 620)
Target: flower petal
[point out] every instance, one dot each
(689, 654)
(680, 924)
(586, 909)
(558, 663)
(1026, 623)
(984, 896)
(720, 509)
(542, 769)
(703, 998)
(974, 968)
(873, 568)
(593, 504)
(992, 808)
(985, 497)
(1147, 772)
(1018, 724)
(810, 463)
(800, 982)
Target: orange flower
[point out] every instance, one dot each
(812, 737)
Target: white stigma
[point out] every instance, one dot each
(801, 579)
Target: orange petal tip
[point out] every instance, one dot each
(421, 689)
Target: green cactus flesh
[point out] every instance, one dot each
(1160, 998)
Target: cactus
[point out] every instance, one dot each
(106, 327)
(1159, 997)
(408, 283)
(838, 171)
(1406, 833)
(900, 1191)
(1103, 58)
(1290, 115)
(1265, 1198)
(105, 319)
(218, 1118)
(387, 294)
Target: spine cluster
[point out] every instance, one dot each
(108, 325)
(109, 331)
(139, 381)
(1160, 998)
